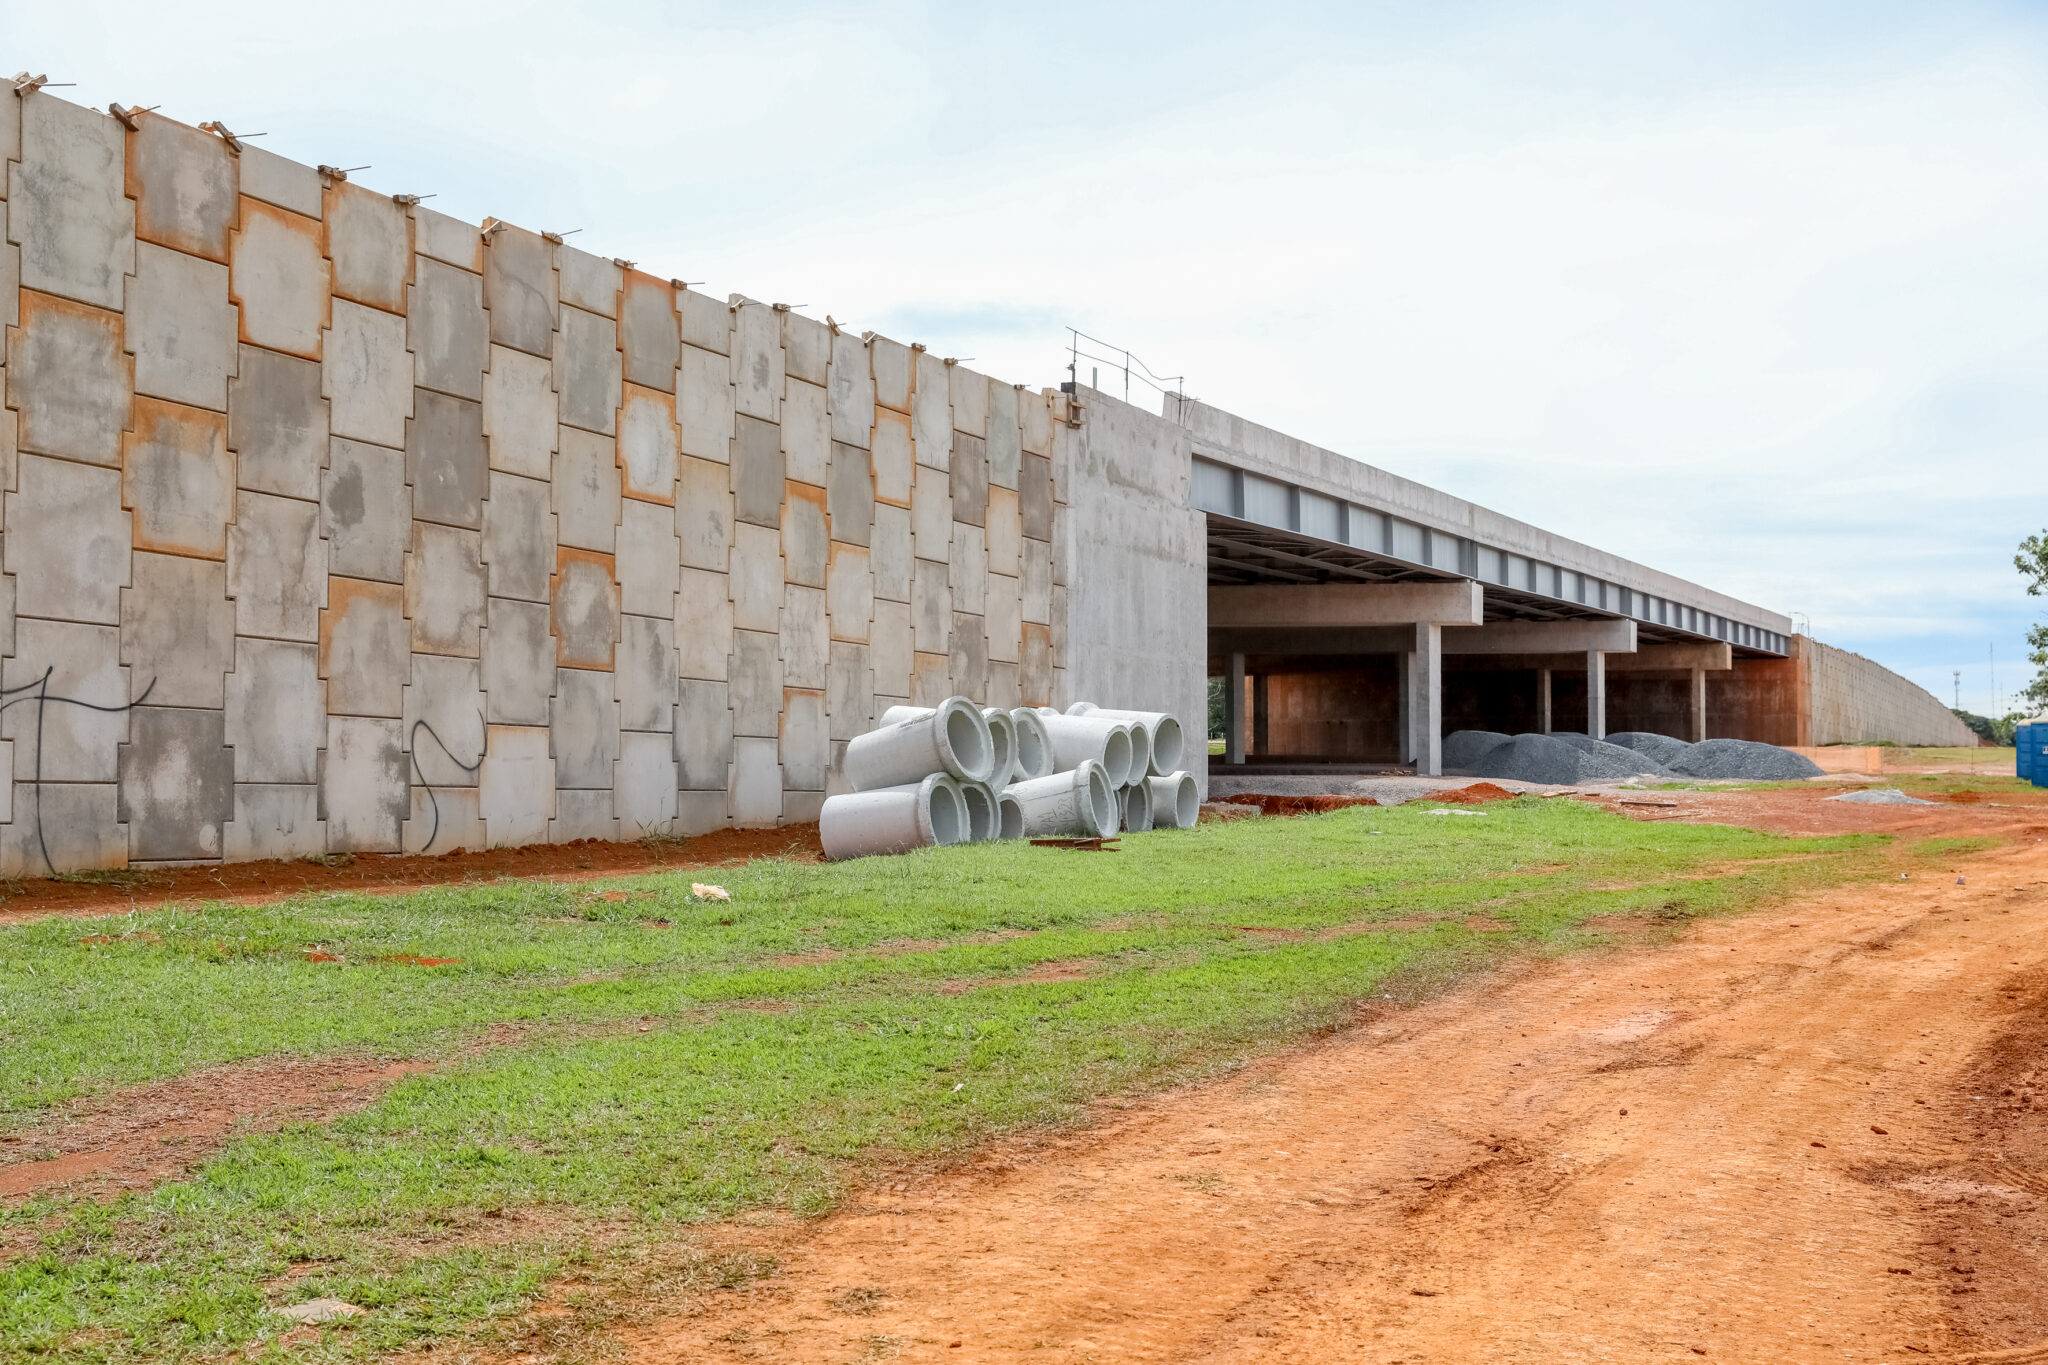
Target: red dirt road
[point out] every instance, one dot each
(1815, 1133)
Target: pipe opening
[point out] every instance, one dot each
(980, 804)
(1187, 802)
(1116, 755)
(1002, 733)
(949, 814)
(1034, 750)
(1010, 822)
(1101, 800)
(967, 739)
(1166, 745)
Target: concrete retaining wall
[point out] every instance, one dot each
(1856, 701)
(333, 524)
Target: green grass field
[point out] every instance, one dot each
(609, 1072)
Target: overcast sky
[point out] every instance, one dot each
(1754, 293)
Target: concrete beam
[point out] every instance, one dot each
(1346, 604)
(1543, 637)
(1713, 655)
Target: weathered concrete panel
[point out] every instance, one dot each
(363, 791)
(647, 559)
(519, 413)
(757, 362)
(586, 491)
(704, 514)
(83, 663)
(74, 821)
(365, 649)
(700, 812)
(276, 822)
(445, 820)
(755, 693)
(277, 567)
(178, 479)
(931, 606)
(647, 678)
(931, 679)
(806, 350)
(1005, 532)
(275, 713)
(444, 590)
(757, 477)
(968, 662)
(583, 814)
(1003, 619)
(890, 649)
(66, 205)
(804, 539)
(586, 609)
(183, 184)
(68, 376)
(1004, 689)
(806, 746)
(518, 662)
(178, 630)
(1034, 497)
(806, 432)
(850, 593)
(587, 374)
(757, 578)
(279, 180)
(891, 553)
(891, 362)
(444, 460)
(519, 537)
(931, 514)
(853, 391)
(893, 466)
(970, 402)
(969, 479)
(67, 541)
(706, 322)
(1036, 588)
(647, 446)
(756, 791)
(852, 489)
(444, 720)
(704, 404)
(369, 245)
(1034, 418)
(584, 729)
(587, 282)
(516, 789)
(644, 785)
(931, 413)
(520, 290)
(970, 567)
(1005, 440)
(805, 638)
(366, 510)
(280, 279)
(850, 692)
(180, 327)
(447, 330)
(703, 625)
(703, 737)
(177, 783)
(277, 424)
(366, 374)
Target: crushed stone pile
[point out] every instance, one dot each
(1634, 760)
(1881, 796)
(1464, 748)
(1658, 748)
(1568, 758)
(1549, 759)
(1746, 759)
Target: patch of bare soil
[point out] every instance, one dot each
(381, 874)
(1814, 1133)
(1805, 810)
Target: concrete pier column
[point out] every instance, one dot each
(1542, 701)
(1262, 743)
(1426, 699)
(1233, 712)
(1404, 694)
(1596, 694)
(1698, 708)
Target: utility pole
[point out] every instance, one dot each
(1959, 689)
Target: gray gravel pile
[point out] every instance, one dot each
(1882, 796)
(1549, 759)
(1463, 749)
(1634, 761)
(1745, 759)
(1658, 748)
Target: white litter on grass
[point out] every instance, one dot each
(1448, 811)
(321, 1310)
(704, 892)
(1881, 796)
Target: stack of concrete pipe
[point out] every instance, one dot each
(957, 773)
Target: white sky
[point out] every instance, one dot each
(1755, 293)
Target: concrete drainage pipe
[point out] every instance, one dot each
(1162, 729)
(1034, 745)
(1176, 803)
(1079, 803)
(1009, 817)
(1002, 733)
(1078, 738)
(1137, 803)
(984, 821)
(893, 819)
(953, 739)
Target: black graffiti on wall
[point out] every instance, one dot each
(469, 769)
(38, 691)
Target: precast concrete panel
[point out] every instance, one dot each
(275, 822)
(706, 322)
(1034, 420)
(369, 246)
(1004, 688)
(806, 350)
(1005, 440)
(968, 661)
(1034, 497)
(805, 637)
(520, 291)
(366, 374)
(69, 379)
(805, 542)
(890, 646)
(444, 720)
(447, 330)
(806, 432)
(704, 523)
(757, 362)
(805, 748)
(586, 610)
(890, 552)
(277, 424)
(1003, 619)
(891, 363)
(1058, 628)
(83, 663)
(178, 630)
(180, 327)
(518, 662)
(588, 282)
(520, 412)
(67, 541)
(892, 460)
(277, 567)
(852, 391)
(647, 679)
(851, 501)
(703, 736)
(644, 785)
(756, 791)
(1034, 666)
(445, 590)
(519, 537)
(279, 180)
(969, 478)
(10, 150)
(757, 472)
(969, 568)
(931, 679)
(516, 788)
(931, 413)
(177, 784)
(700, 812)
(703, 625)
(648, 336)
(365, 648)
(444, 460)
(587, 372)
(66, 205)
(757, 578)
(931, 514)
(1035, 587)
(364, 795)
(755, 691)
(275, 716)
(178, 479)
(586, 491)
(850, 691)
(931, 606)
(704, 404)
(584, 729)
(183, 184)
(970, 402)
(647, 560)
(1005, 530)
(279, 278)
(76, 822)
(366, 511)
(647, 445)
(849, 592)
(445, 820)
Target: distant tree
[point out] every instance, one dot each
(1997, 733)
(2032, 562)
(1217, 714)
